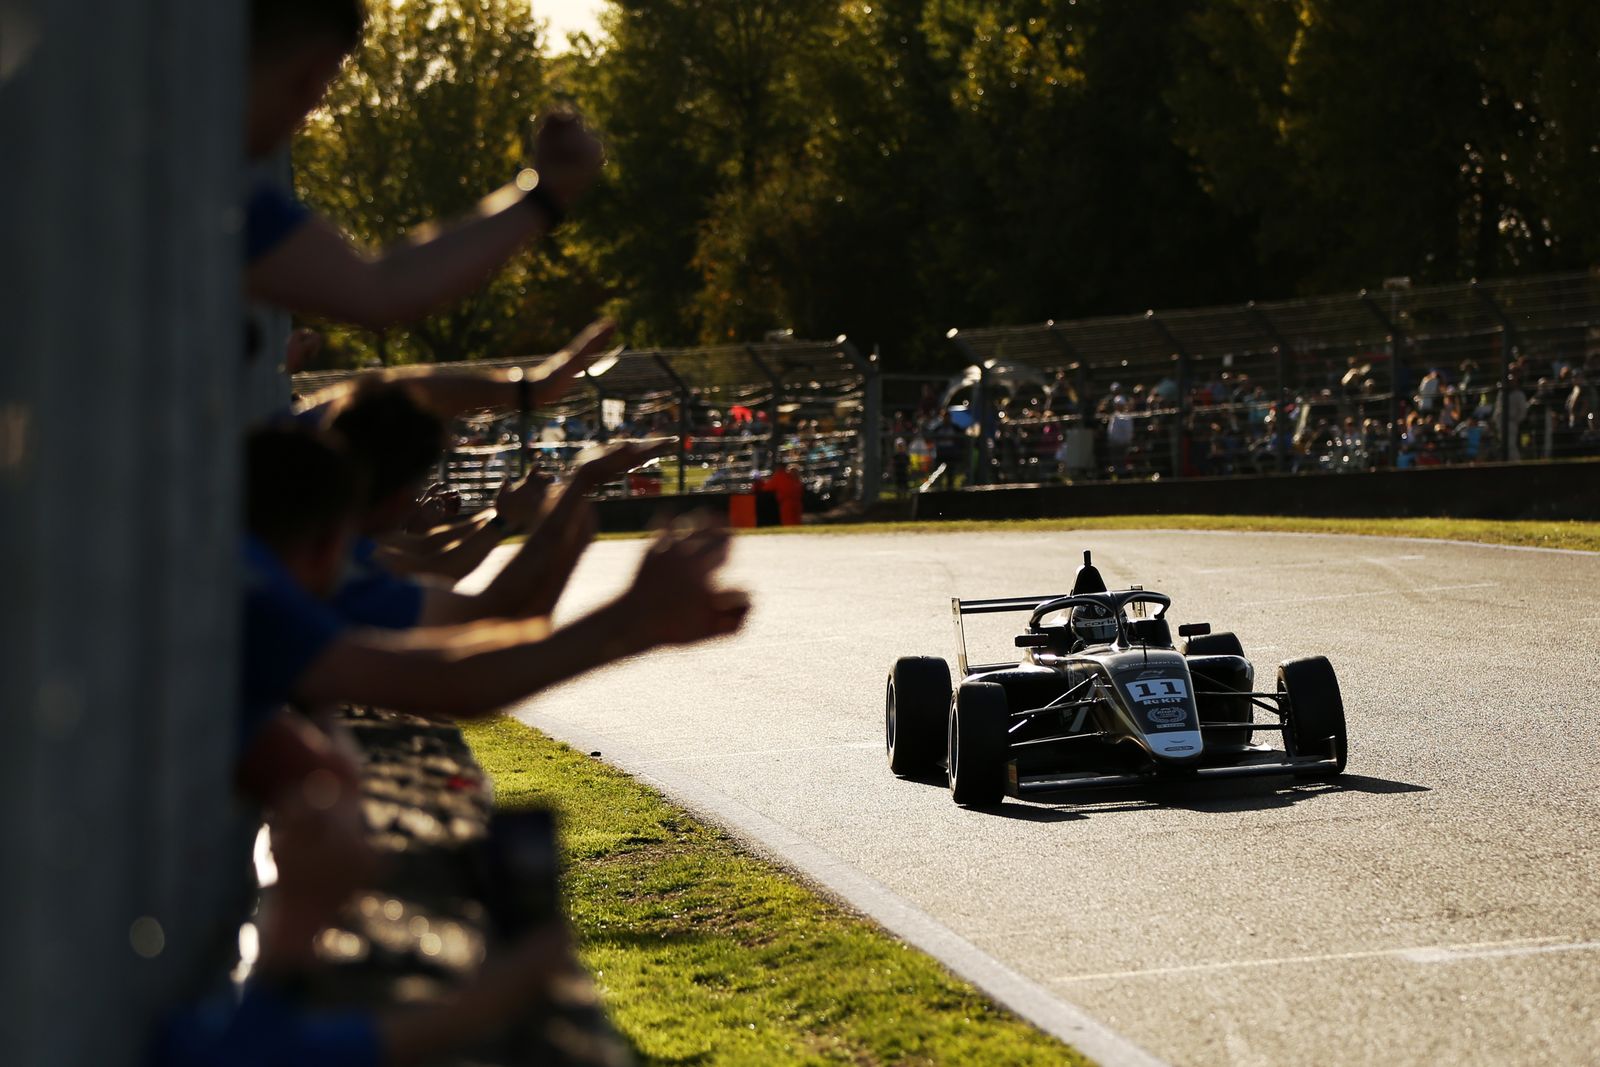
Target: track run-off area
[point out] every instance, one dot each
(1437, 904)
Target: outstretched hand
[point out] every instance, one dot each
(555, 376)
(614, 461)
(672, 600)
(519, 503)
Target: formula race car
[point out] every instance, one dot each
(1102, 697)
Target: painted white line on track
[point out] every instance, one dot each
(1255, 568)
(1377, 592)
(1019, 994)
(1522, 946)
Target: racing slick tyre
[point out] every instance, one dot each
(1210, 674)
(916, 699)
(978, 739)
(1223, 644)
(1313, 721)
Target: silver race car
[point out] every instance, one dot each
(1103, 697)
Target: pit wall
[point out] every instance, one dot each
(1567, 490)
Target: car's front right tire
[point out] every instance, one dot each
(1314, 721)
(915, 699)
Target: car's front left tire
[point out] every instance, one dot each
(978, 741)
(916, 697)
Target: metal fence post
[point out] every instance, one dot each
(1181, 357)
(1280, 408)
(980, 399)
(1508, 344)
(685, 422)
(524, 425)
(1395, 341)
(871, 432)
(774, 431)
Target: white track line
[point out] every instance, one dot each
(1253, 568)
(1427, 954)
(1019, 994)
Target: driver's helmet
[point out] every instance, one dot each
(1094, 624)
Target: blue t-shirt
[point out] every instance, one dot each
(369, 595)
(266, 1029)
(271, 215)
(285, 630)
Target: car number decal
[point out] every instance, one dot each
(1160, 691)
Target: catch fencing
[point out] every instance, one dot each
(1393, 378)
(738, 411)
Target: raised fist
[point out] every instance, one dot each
(567, 155)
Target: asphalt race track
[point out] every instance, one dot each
(1439, 904)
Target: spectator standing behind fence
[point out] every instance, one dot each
(302, 263)
(948, 448)
(1119, 434)
(1513, 398)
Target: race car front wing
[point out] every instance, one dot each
(1024, 785)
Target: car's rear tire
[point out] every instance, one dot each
(1313, 721)
(916, 700)
(977, 745)
(1223, 644)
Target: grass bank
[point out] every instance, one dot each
(1584, 536)
(710, 956)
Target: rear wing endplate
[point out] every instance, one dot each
(959, 607)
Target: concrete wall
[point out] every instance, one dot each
(1497, 491)
(120, 335)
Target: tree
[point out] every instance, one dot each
(697, 100)
(431, 113)
(1439, 140)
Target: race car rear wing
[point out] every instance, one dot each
(959, 607)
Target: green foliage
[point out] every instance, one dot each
(890, 169)
(429, 115)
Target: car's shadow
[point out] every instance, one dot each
(1251, 794)
(1245, 794)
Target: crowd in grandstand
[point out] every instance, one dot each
(1231, 424)
(724, 448)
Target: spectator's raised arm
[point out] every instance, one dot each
(315, 269)
(449, 393)
(475, 670)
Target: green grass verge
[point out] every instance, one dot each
(1578, 535)
(710, 956)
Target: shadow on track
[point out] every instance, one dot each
(1259, 794)
(1249, 794)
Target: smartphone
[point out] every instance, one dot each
(523, 886)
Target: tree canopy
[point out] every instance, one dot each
(891, 168)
